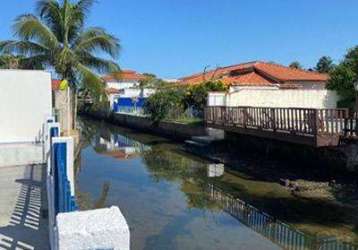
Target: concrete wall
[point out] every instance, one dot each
(176, 131)
(260, 97)
(63, 102)
(171, 129)
(122, 84)
(25, 101)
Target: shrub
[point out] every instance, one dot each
(162, 103)
(197, 95)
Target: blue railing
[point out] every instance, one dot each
(64, 201)
(60, 175)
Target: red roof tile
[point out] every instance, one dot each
(129, 75)
(112, 91)
(55, 84)
(257, 74)
(248, 79)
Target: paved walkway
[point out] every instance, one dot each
(22, 196)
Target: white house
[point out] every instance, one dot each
(124, 90)
(262, 84)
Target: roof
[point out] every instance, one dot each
(257, 73)
(124, 75)
(55, 84)
(112, 91)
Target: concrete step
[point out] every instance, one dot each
(20, 154)
(216, 134)
(195, 143)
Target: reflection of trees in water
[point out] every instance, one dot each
(165, 165)
(85, 201)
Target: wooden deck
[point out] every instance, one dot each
(314, 127)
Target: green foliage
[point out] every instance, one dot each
(8, 61)
(163, 102)
(171, 103)
(324, 65)
(343, 76)
(341, 80)
(197, 95)
(56, 37)
(295, 65)
(151, 81)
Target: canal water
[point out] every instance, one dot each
(170, 197)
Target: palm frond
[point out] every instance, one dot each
(97, 64)
(25, 48)
(35, 62)
(50, 12)
(97, 39)
(29, 27)
(91, 82)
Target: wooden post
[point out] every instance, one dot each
(273, 119)
(315, 122)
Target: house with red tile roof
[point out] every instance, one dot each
(261, 74)
(267, 84)
(124, 91)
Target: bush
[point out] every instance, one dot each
(161, 104)
(197, 95)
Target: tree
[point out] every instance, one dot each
(295, 65)
(343, 76)
(56, 38)
(197, 95)
(324, 64)
(8, 61)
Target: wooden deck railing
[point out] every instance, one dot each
(300, 121)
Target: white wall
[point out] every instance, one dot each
(217, 99)
(25, 101)
(122, 84)
(136, 92)
(304, 98)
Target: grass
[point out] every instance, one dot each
(187, 120)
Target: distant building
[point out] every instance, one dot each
(124, 91)
(267, 85)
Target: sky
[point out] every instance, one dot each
(175, 38)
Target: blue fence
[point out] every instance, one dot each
(128, 105)
(64, 202)
(63, 199)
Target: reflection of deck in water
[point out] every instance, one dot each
(275, 230)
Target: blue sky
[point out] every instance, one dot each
(174, 38)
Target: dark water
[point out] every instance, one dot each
(164, 192)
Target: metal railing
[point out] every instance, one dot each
(278, 232)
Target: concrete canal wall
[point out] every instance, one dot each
(176, 131)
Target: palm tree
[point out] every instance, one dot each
(57, 39)
(8, 61)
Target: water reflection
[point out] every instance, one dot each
(117, 145)
(164, 192)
